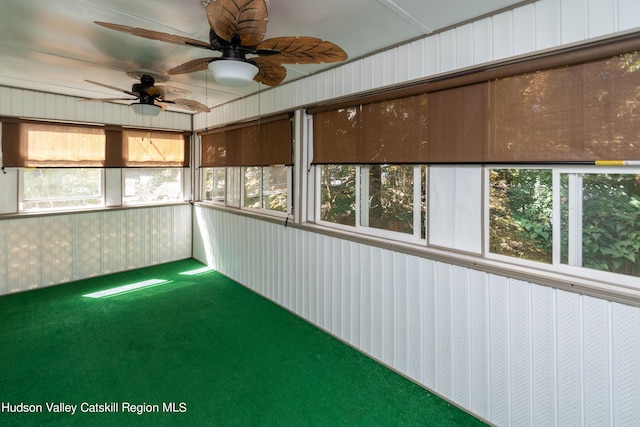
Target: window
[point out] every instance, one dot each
(338, 194)
(45, 189)
(259, 188)
(238, 164)
(520, 207)
(388, 198)
(600, 221)
(266, 188)
(152, 185)
(569, 218)
(214, 180)
(275, 186)
(252, 188)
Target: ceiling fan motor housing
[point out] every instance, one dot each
(146, 81)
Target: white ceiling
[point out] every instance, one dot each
(53, 45)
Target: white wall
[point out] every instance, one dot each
(46, 250)
(40, 105)
(512, 352)
(545, 24)
(43, 250)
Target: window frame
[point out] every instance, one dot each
(261, 209)
(203, 180)
(556, 266)
(123, 179)
(234, 190)
(360, 209)
(22, 200)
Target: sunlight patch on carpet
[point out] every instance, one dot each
(197, 271)
(127, 288)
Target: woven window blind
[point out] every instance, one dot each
(584, 106)
(155, 149)
(37, 144)
(27, 144)
(263, 142)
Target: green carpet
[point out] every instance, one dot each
(200, 349)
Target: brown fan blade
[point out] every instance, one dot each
(113, 87)
(302, 50)
(189, 104)
(154, 35)
(270, 73)
(191, 66)
(169, 93)
(105, 99)
(161, 105)
(244, 19)
(154, 91)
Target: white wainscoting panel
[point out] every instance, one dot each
(533, 27)
(512, 352)
(47, 250)
(455, 207)
(40, 105)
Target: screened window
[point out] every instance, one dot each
(248, 165)
(600, 221)
(46, 189)
(338, 194)
(275, 186)
(387, 193)
(520, 211)
(214, 184)
(152, 185)
(374, 197)
(588, 219)
(266, 188)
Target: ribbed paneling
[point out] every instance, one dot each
(32, 104)
(512, 352)
(540, 25)
(47, 250)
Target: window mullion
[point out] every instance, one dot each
(362, 196)
(263, 205)
(556, 218)
(417, 205)
(575, 219)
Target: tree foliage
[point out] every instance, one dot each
(520, 207)
(611, 220)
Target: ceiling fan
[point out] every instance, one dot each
(237, 31)
(152, 98)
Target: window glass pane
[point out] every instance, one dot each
(252, 186)
(338, 194)
(151, 185)
(275, 188)
(602, 220)
(214, 184)
(520, 207)
(389, 199)
(63, 188)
